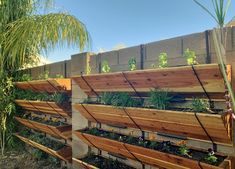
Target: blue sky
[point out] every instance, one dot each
(133, 22)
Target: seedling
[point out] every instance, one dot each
(132, 63)
(162, 58)
(105, 67)
(199, 105)
(190, 57)
(159, 99)
(211, 158)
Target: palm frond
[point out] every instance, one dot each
(36, 34)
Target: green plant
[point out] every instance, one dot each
(25, 77)
(7, 107)
(184, 151)
(162, 59)
(199, 105)
(220, 10)
(159, 99)
(142, 142)
(190, 57)
(153, 144)
(59, 76)
(125, 100)
(26, 33)
(132, 63)
(43, 76)
(105, 67)
(106, 97)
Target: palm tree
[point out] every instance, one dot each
(25, 33)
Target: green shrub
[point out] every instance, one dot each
(159, 99)
(132, 63)
(199, 105)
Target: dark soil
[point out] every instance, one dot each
(165, 146)
(104, 163)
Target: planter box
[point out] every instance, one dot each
(64, 132)
(172, 122)
(175, 79)
(45, 107)
(148, 156)
(50, 85)
(64, 154)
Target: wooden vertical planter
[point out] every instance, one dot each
(45, 107)
(147, 156)
(64, 154)
(64, 132)
(49, 85)
(186, 124)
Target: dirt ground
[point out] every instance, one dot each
(22, 160)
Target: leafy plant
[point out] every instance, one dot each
(162, 59)
(190, 57)
(199, 105)
(220, 10)
(142, 142)
(211, 158)
(105, 67)
(106, 97)
(159, 99)
(25, 77)
(132, 63)
(59, 76)
(183, 149)
(153, 144)
(43, 76)
(7, 107)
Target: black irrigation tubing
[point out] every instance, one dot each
(56, 111)
(35, 89)
(98, 123)
(92, 90)
(137, 93)
(89, 141)
(133, 121)
(34, 106)
(53, 86)
(132, 153)
(203, 88)
(214, 144)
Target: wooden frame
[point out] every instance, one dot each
(174, 79)
(64, 154)
(173, 122)
(44, 107)
(64, 132)
(148, 156)
(49, 85)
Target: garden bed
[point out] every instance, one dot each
(173, 122)
(45, 107)
(161, 154)
(49, 85)
(60, 131)
(99, 162)
(175, 79)
(51, 147)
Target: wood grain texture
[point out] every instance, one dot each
(44, 107)
(64, 154)
(64, 132)
(49, 85)
(174, 79)
(172, 122)
(148, 156)
(83, 164)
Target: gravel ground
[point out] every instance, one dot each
(22, 160)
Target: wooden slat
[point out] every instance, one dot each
(44, 107)
(173, 122)
(50, 85)
(145, 155)
(63, 154)
(64, 132)
(175, 79)
(83, 164)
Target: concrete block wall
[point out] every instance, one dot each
(118, 61)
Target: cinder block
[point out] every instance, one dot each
(127, 53)
(111, 57)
